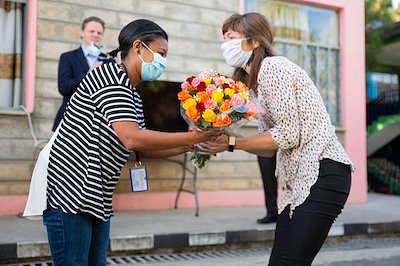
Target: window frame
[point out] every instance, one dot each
(334, 112)
(28, 59)
(336, 120)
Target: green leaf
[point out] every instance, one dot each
(199, 161)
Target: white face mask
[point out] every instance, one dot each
(93, 50)
(234, 54)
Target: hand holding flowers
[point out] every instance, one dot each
(211, 101)
(213, 146)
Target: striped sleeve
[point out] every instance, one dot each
(116, 103)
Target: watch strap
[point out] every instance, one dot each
(231, 143)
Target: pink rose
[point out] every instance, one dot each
(205, 74)
(229, 80)
(210, 104)
(185, 85)
(210, 88)
(237, 101)
(217, 81)
(252, 109)
(196, 82)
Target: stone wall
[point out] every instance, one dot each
(194, 29)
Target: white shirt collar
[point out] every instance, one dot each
(85, 51)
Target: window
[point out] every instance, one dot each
(161, 106)
(12, 31)
(309, 36)
(17, 54)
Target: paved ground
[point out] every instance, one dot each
(146, 230)
(364, 257)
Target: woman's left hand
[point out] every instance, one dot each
(220, 144)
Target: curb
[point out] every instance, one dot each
(36, 249)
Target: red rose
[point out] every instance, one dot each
(189, 79)
(225, 85)
(201, 86)
(200, 107)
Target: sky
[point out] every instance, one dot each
(395, 3)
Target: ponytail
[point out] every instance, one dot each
(114, 52)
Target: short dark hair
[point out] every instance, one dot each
(95, 19)
(141, 29)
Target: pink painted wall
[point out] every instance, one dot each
(10, 205)
(31, 56)
(354, 94)
(353, 98)
(352, 45)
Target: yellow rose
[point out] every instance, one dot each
(207, 81)
(209, 115)
(229, 92)
(244, 95)
(189, 103)
(217, 96)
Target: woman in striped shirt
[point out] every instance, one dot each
(103, 123)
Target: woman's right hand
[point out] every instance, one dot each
(201, 135)
(220, 144)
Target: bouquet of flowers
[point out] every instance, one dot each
(211, 101)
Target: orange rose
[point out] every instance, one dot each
(193, 114)
(241, 87)
(184, 95)
(225, 106)
(222, 121)
(203, 96)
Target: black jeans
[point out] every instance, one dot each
(298, 240)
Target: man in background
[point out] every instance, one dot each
(75, 64)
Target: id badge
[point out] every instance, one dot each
(138, 176)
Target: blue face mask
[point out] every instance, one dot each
(154, 69)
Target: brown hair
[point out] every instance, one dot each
(254, 27)
(95, 19)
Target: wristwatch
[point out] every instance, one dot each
(231, 143)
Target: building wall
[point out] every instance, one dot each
(353, 93)
(194, 29)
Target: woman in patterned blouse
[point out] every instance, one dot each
(313, 169)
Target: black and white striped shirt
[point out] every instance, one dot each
(87, 157)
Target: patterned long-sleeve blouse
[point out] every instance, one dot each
(293, 112)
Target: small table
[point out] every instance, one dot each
(193, 172)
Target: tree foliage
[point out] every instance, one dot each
(379, 20)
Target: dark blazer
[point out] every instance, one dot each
(72, 68)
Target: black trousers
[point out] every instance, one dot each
(298, 240)
(267, 168)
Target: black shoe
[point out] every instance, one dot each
(267, 219)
